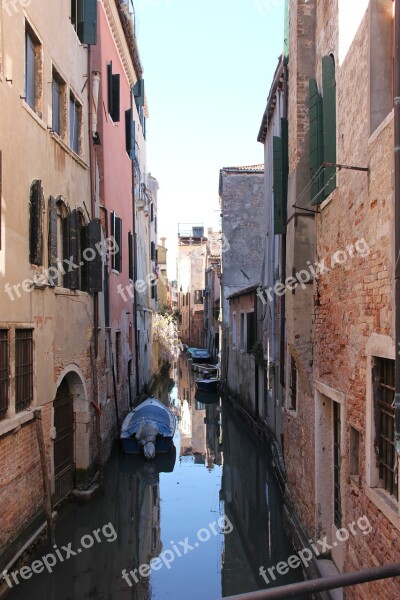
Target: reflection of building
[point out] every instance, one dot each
(212, 305)
(253, 503)
(164, 294)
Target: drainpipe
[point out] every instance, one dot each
(134, 235)
(397, 217)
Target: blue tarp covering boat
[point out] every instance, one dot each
(148, 429)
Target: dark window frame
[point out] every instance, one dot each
(23, 378)
(4, 373)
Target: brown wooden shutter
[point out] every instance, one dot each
(70, 250)
(36, 224)
(92, 268)
(52, 240)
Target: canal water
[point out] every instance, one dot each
(211, 512)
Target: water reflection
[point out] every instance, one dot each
(218, 468)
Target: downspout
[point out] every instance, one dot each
(134, 236)
(397, 218)
(95, 295)
(283, 249)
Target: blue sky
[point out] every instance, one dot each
(208, 66)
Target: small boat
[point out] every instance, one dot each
(207, 384)
(206, 397)
(148, 429)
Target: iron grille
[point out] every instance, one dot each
(23, 368)
(385, 408)
(4, 373)
(337, 465)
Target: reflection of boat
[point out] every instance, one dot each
(200, 356)
(205, 368)
(149, 428)
(162, 463)
(206, 397)
(207, 384)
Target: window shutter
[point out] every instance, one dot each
(286, 30)
(118, 239)
(278, 195)
(329, 121)
(87, 21)
(36, 224)
(110, 88)
(106, 296)
(285, 167)
(92, 269)
(70, 247)
(130, 134)
(52, 242)
(250, 331)
(138, 92)
(115, 115)
(130, 255)
(316, 142)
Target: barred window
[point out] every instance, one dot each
(4, 373)
(384, 423)
(23, 368)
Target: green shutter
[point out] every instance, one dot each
(36, 224)
(316, 142)
(87, 21)
(138, 92)
(52, 241)
(329, 121)
(285, 166)
(286, 30)
(130, 134)
(279, 225)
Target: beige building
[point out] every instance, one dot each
(47, 340)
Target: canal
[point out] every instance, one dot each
(212, 512)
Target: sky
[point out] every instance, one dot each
(208, 67)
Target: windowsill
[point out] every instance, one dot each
(115, 271)
(54, 136)
(34, 115)
(385, 503)
(292, 412)
(60, 291)
(12, 423)
(325, 203)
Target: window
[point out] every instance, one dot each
(251, 331)
(293, 385)
(198, 297)
(113, 84)
(381, 61)
(384, 376)
(234, 332)
(153, 250)
(281, 174)
(118, 354)
(4, 373)
(75, 124)
(241, 331)
(84, 20)
(58, 105)
(337, 460)
(23, 368)
(354, 454)
(36, 205)
(138, 93)
(33, 71)
(322, 114)
(130, 255)
(116, 233)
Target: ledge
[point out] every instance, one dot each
(34, 115)
(388, 506)
(58, 140)
(9, 425)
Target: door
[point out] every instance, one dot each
(64, 443)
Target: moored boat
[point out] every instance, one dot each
(148, 429)
(207, 384)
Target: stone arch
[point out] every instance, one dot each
(73, 375)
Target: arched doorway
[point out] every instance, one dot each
(63, 448)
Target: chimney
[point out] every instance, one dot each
(163, 241)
